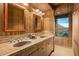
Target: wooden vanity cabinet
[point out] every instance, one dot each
(43, 48)
(49, 46)
(26, 52)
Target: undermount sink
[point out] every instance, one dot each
(32, 37)
(42, 36)
(21, 43)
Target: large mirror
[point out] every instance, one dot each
(14, 18)
(38, 23)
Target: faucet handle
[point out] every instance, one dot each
(10, 41)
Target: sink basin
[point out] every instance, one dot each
(42, 36)
(21, 43)
(32, 37)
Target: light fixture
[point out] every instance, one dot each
(26, 4)
(43, 13)
(40, 12)
(58, 12)
(37, 10)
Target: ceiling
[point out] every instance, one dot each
(54, 5)
(62, 8)
(59, 8)
(41, 6)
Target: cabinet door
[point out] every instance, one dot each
(26, 52)
(50, 46)
(38, 50)
(34, 53)
(42, 50)
(31, 51)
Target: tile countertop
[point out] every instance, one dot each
(8, 49)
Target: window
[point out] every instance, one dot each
(62, 25)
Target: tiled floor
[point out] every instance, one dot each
(62, 51)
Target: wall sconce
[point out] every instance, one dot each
(37, 11)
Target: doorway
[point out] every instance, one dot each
(63, 30)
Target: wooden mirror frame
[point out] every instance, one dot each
(6, 18)
(41, 20)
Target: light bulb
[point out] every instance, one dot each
(43, 13)
(37, 10)
(26, 4)
(40, 12)
(58, 12)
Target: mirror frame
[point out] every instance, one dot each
(42, 23)
(6, 18)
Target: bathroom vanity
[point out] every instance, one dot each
(20, 35)
(43, 45)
